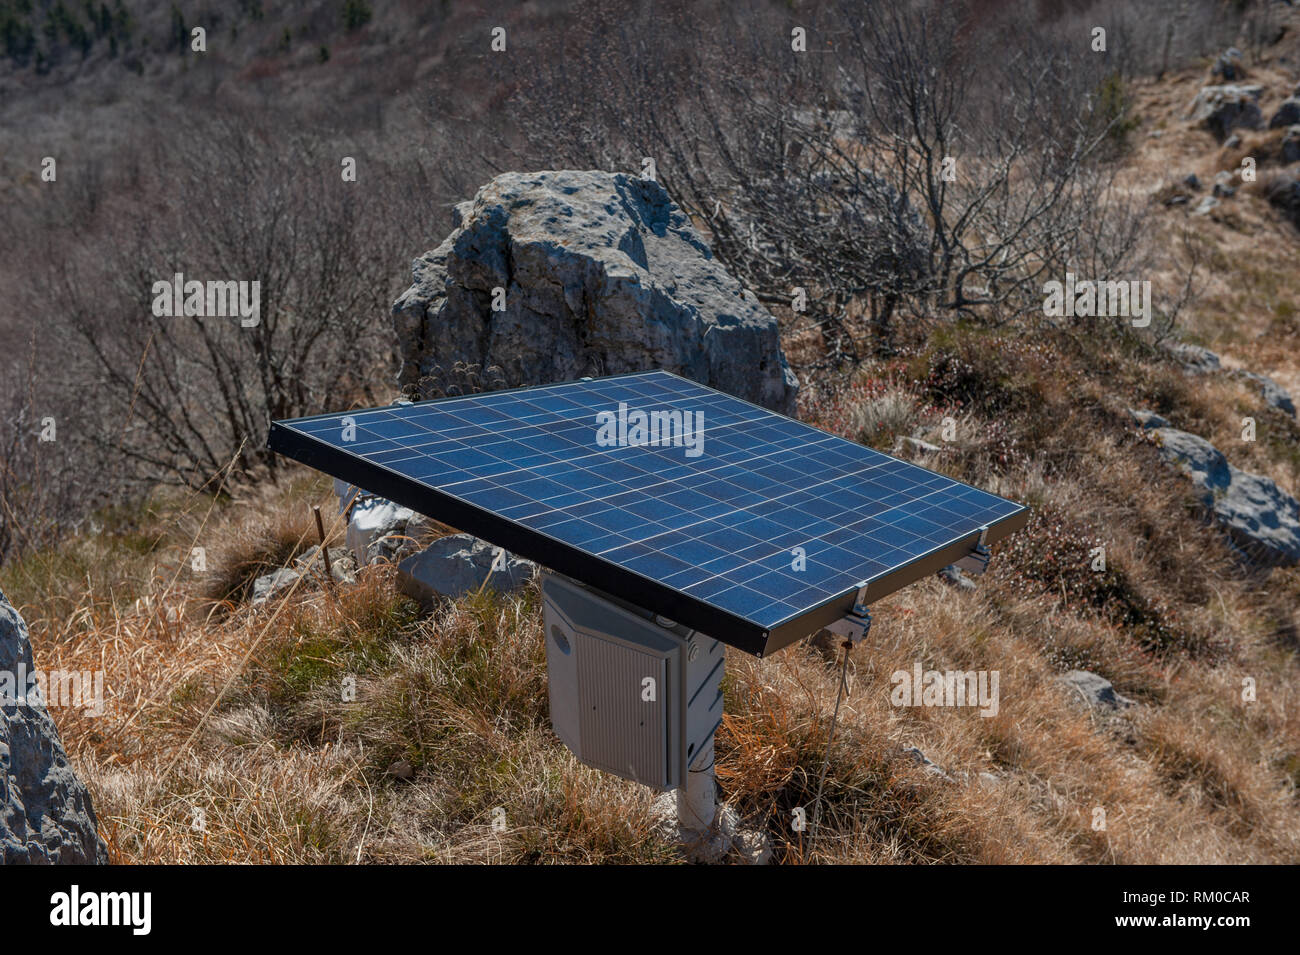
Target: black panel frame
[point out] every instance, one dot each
(593, 570)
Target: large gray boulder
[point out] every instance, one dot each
(602, 274)
(45, 811)
(1262, 519)
(1291, 144)
(458, 564)
(1274, 394)
(1288, 114)
(1221, 109)
(1194, 359)
(1284, 192)
(1200, 361)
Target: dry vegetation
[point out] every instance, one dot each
(239, 712)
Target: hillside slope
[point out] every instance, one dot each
(340, 724)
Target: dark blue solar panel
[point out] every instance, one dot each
(705, 516)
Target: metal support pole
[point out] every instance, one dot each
(697, 801)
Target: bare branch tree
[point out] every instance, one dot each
(904, 165)
(254, 206)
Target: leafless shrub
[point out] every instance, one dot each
(1151, 37)
(192, 394)
(906, 165)
(822, 170)
(50, 480)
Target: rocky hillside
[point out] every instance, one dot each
(1144, 626)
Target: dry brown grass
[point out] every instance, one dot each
(241, 713)
(263, 540)
(449, 724)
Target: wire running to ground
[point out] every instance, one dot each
(830, 741)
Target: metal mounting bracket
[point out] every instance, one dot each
(977, 561)
(856, 624)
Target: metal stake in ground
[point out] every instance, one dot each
(324, 551)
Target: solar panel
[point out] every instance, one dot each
(734, 520)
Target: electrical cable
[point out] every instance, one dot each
(830, 739)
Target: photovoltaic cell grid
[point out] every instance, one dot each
(710, 539)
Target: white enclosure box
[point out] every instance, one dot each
(631, 694)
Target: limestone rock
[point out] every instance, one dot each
(602, 274)
(1229, 65)
(45, 811)
(1262, 519)
(1284, 193)
(376, 528)
(272, 585)
(1274, 394)
(349, 495)
(1148, 419)
(1291, 144)
(952, 576)
(341, 563)
(458, 564)
(1193, 358)
(1095, 690)
(1221, 109)
(1288, 114)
